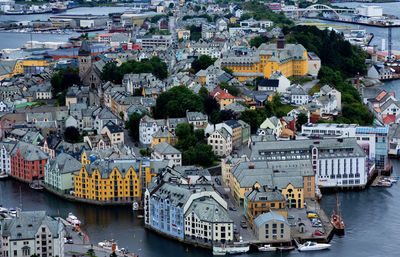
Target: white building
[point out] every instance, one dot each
(221, 142)
(298, 96)
(5, 160)
(369, 10)
(165, 151)
(147, 127)
(327, 90)
(154, 41)
(32, 233)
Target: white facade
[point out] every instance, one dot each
(299, 99)
(369, 10)
(221, 142)
(5, 160)
(147, 128)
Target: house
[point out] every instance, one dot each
(298, 96)
(197, 119)
(246, 130)
(102, 118)
(263, 199)
(5, 160)
(163, 135)
(59, 173)
(272, 227)
(32, 233)
(273, 123)
(114, 132)
(237, 137)
(380, 72)
(165, 151)
(27, 162)
(223, 97)
(314, 64)
(147, 127)
(221, 142)
(97, 142)
(221, 24)
(327, 90)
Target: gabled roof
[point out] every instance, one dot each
(165, 148)
(84, 50)
(267, 217)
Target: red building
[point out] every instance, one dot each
(27, 162)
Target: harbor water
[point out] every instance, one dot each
(370, 216)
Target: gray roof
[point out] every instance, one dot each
(66, 163)
(105, 167)
(264, 194)
(224, 133)
(26, 225)
(208, 210)
(165, 148)
(30, 152)
(267, 217)
(7, 67)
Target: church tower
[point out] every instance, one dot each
(84, 59)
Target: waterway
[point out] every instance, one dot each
(371, 218)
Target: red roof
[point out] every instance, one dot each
(222, 94)
(389, 118)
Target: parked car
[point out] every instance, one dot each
(232, 208)
(318, 233)
(218, 181)
(290, 217)
(312, 215)
(293, 224)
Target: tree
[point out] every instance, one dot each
(133, 125)
(227, 70)
(301, 119)
(231, 89)
(91, 253)
(145, 152)
(174, 103)
(113, 254)
(254, 118)
(211, 105)
(61, 81)
(71, 135)
(121, 115)
(202, 63)
(257, 41)
(203, 93)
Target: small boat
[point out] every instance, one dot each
(36, 186)
(312, 246)
(286, 248)
(267, 248)
(12, 212)
(232, 249)
(218, 251)
(336, 218)
(135, 206)
(109, 245)
(384, 184)
(3, 175)
(318, 193)
(73, 220)
(3, 210)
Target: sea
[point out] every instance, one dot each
(371, 216)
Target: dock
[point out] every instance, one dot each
(300, 216)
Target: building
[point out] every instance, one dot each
(298, 96)
(5, 158)
(246, 130)
(115, 180)
(221, 142)
(32, 233)
(114, 132)
(327, 90)
(208, 221)
(338, 162)
(154, 41)
(163, 135)
(237, 136)
(59, 173)
(294, 179)
(197, 119)
(147, 127)
(165, 151)
(314, 64)
(272, 227)
(373, 140)
(260, 200)
(369, 11)
(290, 59)
(27, 162)
(223, 97)
(273, 123)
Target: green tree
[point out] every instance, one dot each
(91, 253)
(202, 63)
(174, 103)
(301, 119)
(61, 81)
(145, 152)
(257, 41)
(133, 125)
(227, 70)
(203, 93)
(254, 118)
(71, 135)
(235, 91)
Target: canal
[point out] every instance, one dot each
(371, 218)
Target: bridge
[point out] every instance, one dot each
(318, 8)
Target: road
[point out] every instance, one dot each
(308, 85)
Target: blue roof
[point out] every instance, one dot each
(269, 216)
(370, 130)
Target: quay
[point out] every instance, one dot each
(379, 25)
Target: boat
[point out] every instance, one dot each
(383, 183)
(135, 206)
(73, 220)
(3, 210)
(231, 249)
(286, 248)
(36, 186)
(14, 12)
(109, 245)
(336, 218)
(12, 212)
(3, 175)
(318, 193)
(267, 248)
(312, 246)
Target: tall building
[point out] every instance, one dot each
(32, 233)
(290, 59)
(84, 59)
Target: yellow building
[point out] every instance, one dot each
(260, 200)
(30, 66)
(113, 180)
(290, 59)
(163, 135)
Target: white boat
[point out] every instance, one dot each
(3, 175)
(312, 246)
(12, 212)
(109, 245)
(3, 210)
(135, 206)
(231, 249)
(267, 248)
(73, 220)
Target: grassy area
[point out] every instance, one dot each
(305, 80)
(285, 108)
(315, 89)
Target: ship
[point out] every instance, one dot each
(59, 9)
(13, 12)
(336, 218)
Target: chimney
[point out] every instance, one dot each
(251, 166)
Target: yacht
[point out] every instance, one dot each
(312, 246)
(267, 248)
(231, 249)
